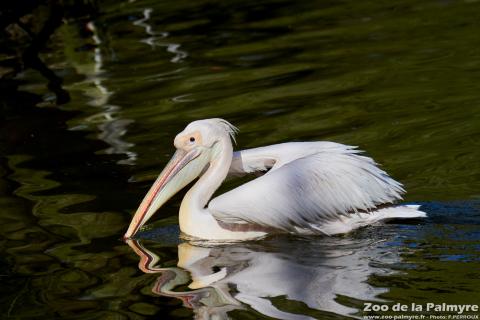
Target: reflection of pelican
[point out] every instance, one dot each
(206, 301)
(231, 277)
(309, 187)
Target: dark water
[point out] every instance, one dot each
(81, 145)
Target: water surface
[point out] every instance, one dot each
(77, 154)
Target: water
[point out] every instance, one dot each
(399, 80)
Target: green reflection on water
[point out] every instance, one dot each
(398, 80)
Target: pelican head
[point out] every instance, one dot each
(197, 146)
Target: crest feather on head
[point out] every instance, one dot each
(227, 126)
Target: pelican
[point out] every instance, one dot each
(303, 188)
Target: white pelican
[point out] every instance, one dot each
(309, 187)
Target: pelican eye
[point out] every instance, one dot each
(192, 139)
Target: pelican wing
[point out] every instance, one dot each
(307, 183)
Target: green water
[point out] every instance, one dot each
(400, 80)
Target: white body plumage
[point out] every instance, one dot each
(307, 187)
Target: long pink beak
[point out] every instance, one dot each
(170, 181)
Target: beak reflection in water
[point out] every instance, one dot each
(309, 275)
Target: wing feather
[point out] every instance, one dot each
(309, 183)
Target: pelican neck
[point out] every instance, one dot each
(200, 194)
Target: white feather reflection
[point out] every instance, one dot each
(241, 275)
